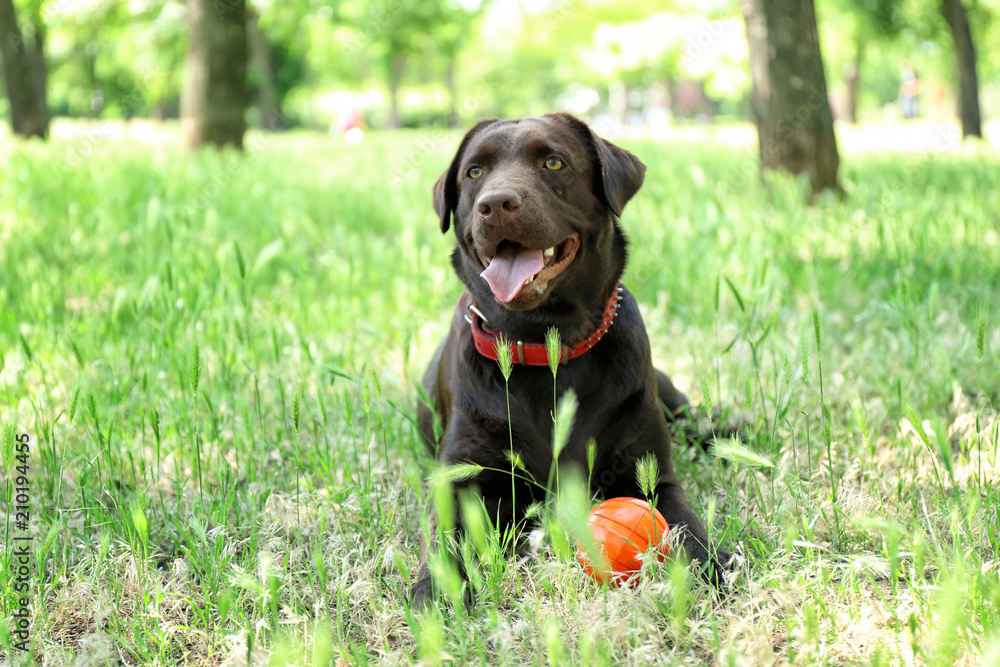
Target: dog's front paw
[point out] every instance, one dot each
(421, 594)
(703, 430)
(718, 567)
(713, 566)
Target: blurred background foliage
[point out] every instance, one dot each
(449, 62)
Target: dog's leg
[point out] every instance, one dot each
(673, 505)
(493, 489)
(422, 592)
(676, 403)
(436, 392)
(691, 424)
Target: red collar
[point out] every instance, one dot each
(536, 354)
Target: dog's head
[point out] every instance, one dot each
(535, 203)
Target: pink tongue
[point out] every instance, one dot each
(509, 269)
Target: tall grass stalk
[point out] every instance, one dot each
(194, 379)
(553, 349)
(505, 360)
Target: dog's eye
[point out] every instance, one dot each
(554, 164)
(474, 172)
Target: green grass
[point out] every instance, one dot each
(215, 360)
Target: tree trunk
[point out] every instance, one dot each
(449, 83)
(262, 66)
(852, 81)
(89, 58)
(40, 69)
(28, 115)
(968, 81)
(790, 103)
(213, 101)
(396, 68)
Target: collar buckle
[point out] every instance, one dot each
(473, 309)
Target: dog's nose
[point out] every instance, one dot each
(505, 200)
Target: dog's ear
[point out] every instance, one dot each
(443, 203)
(618, 174)
(446, 188)
(621, 174)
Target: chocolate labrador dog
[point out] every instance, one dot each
(536, 205)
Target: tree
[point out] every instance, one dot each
(36, 52)
(858, 24)
(450, 37)
(789, 100)
(214, 97)
(965, 52)
(262, 74)
(394, 36)
(404, 28)
(24, 75)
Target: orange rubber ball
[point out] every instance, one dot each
(624, 528)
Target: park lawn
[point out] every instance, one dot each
(215, 360)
